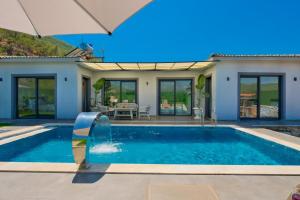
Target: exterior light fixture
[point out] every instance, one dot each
(66, 79)
(147, 83)
(228, 78)
(295, 79)
(1, 79)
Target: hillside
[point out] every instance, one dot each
(19, 44)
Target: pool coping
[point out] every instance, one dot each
(158, 168)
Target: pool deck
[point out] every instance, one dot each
(53, 186)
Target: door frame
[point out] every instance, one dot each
(281, 91)
(175, 79)
(14, 92)
(88, 93)
(208, 100)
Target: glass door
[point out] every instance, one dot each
(248, 97)
(167, 97)
(269, 97)
(128, 91)
(175, 97)
(46, 98)
(120, 91)
(183, 89)
(260, 97)
(35, 97)
(26, 98)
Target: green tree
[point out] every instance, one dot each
(200, 87)
(97, 87)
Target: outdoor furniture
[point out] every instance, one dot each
(125, 110)
(165, 104)
(144, 111)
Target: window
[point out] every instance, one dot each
(120, 91)
(175, 97)
(260, 97)
(35, 97)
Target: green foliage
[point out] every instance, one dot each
(5, 124)
(99, 85)
(200, 82)
(201, 89)
(20, 44)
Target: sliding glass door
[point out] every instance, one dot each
(175, 97)
(35, 97)
(269, 97)
(120, 91)
(260, 97)
(248, 97)
(167, 97)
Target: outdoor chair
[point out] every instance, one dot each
(144, 111)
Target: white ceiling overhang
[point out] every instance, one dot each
(147, 66)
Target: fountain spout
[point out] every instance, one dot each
(83, 126)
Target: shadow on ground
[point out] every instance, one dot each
(90, 174)
(87, 178)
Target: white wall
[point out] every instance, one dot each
(147, 94)
(227, 91)
(67, 100)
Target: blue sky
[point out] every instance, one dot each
(189, 30)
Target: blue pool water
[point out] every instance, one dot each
(157, 145)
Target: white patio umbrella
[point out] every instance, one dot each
(51, 17)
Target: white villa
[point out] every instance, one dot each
(239, 86)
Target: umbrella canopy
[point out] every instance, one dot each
(52, 17)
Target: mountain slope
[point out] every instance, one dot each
(19, 44)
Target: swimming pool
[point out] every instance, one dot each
(157, 145)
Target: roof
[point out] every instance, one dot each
(4, 59)
(96, 65)
(76, 52)
(256, 55)
(147, 66)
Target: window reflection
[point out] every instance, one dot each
(267, 89)
(119, 91)
(269, 97)
(248, 98)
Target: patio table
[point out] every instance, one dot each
(124, 112)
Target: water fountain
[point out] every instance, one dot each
(92, 134)
(100, 140)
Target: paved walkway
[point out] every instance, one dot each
(35, 186)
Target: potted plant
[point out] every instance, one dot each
(200, 88)
(98, 86)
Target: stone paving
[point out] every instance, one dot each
(53, 186)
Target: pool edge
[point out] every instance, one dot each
(150, 169)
